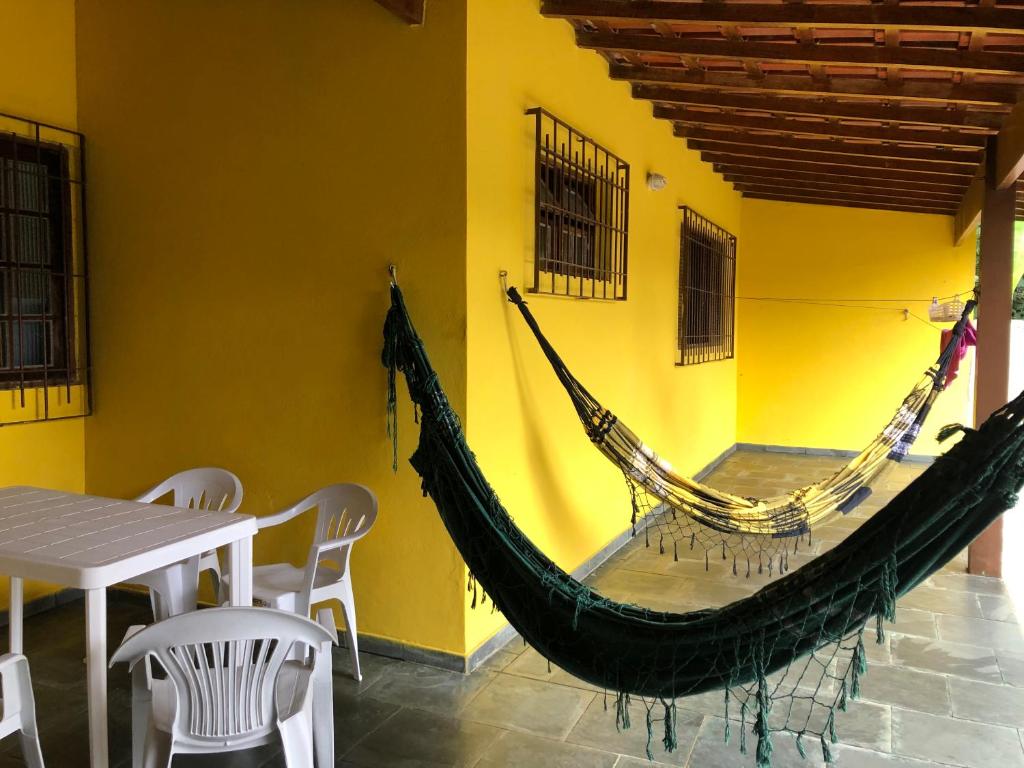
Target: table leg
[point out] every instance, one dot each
(96, 673)
(240, 566)
(16, 616)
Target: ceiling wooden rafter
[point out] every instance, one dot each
(885, 105)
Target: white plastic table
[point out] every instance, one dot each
(91, 543)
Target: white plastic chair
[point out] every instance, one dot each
(19, 707)
(174, 589)
(231, 681)
(345, 513)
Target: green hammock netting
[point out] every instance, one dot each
(760, 531)
(788, 656)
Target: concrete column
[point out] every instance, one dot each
(984, 556)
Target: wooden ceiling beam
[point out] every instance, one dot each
(782, 141)
(822, 16)
(947, 138)
(762, 166)
(840, 183)
(968, 213)
(868, 194)
(1009, 160)
(868, 87)
(720, 152)
(844, 203)
(410, 11)
(951, 60)
(937, 116)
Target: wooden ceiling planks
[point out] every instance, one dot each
(884, 105)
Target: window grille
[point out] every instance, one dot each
(43, 327)
(582, 214)
(707, 290)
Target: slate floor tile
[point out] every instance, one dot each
(513, 750)
(423, 687)
(955, 742)
(356, 716)
(534, 666)
(991, 634)
(417, 739)
(854, 757)
(947, 601)
(521, 704)
(906, 688)
(597, 728)
(1012, 667)
(946, 658)
(1000, 608)
(710, 750)
(997, 704)
(966, 582)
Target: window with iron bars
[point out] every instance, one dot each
(582, 214)
(43, 344)
(707, 295)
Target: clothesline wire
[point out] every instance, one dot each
(798, 299)
(851, 306)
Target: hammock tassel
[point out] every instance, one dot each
(669, 742)
(800, 746)
(743, 729)
(728, 732)
(650, 731)
(734, 565)
(622, 711)
(675, 551)
(826, 750)
(661, 545)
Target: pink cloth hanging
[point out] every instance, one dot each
(969, 339)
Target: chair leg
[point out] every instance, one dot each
(159, 751)
(30, 750)
(348, 610)
(297, 740)
(323, 709)
(20, 697)
(157, 605)
(142, 709)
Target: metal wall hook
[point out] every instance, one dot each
(503, 277)
(393, 271)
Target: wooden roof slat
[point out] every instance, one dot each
(925, 115)
(723, 163)
(782, 141)
(825, 157)
(729, 164)
(869, 87)
(868, 195)
(950, 138)
(896, 195)
(844, 16)
(803, 53)
(826, 181)
(848, 203)
(877, 104)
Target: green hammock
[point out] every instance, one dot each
(810, 622)
(683, 509)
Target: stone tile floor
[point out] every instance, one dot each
(947, 689)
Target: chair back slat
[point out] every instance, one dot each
(205, 488)
(224, 664)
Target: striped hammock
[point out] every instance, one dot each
(682, 509)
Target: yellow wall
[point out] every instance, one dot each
(524, 431)
(38, 62)
(254, 166)
(830, 377)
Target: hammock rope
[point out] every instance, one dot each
(789, 656)
(680, 509)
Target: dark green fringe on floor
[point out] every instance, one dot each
(821, 608)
